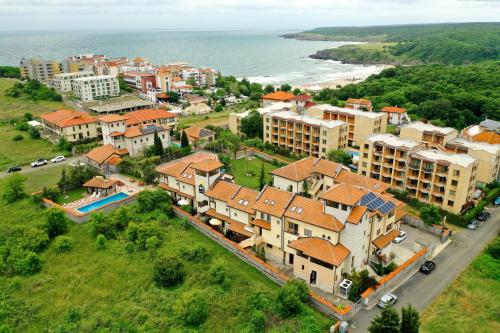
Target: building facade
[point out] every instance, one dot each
(428, 134)
(64, 82)
(236, 117)
(142, 82)
(38, 69)
(70, 124)
(95, 87)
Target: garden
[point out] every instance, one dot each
(252, 172)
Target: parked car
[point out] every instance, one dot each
(497, 201)
(483, 216)
(14, 168)
(39, 162)
(401, 237)
(387, 299)
(427, 267)
(57, 159)
(474, 224)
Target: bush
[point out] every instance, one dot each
(14, 188)
(167, 271)
(100, 242)
(291, 296)
(25, 262)
(139, 233)
(101, 225)
(258, 321)
(494, 249)
(218, 274)
(192, 309)
(55, 222)
(34, 133)
(50, 193)
(196, 254)
(33, 239)
(63, 244)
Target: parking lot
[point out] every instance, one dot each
(416, 239)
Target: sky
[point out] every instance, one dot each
(235, 14)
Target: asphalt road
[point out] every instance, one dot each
(28, 168)
(420, 290)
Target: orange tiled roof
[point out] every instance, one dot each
(383, 240)
(110, 118)
(140, 116)
(65, 118)
(207, 165)
(393, 109)
(302, 169)
(344, 194)
(311, 211)
(273, 201)
(171, 189)
(239, 228)
(244, 200)
(301, 97)
(487, 136)
(222, 191)
(172, 169)
(321, 249)
(196, 133)
(356, 214)
(279, 96)
(367, 183)
(99, 182)
(359, 101)
(105, 153)
(261, 223)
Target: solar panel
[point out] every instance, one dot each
(378, 202)
(367, 198)
(387, 207)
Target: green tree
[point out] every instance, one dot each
(262, 177)
(430, 214)
(252, 125)
(184, 140)
(258, 321)
(124, 85)
(269, 89)
(340, 156)
(410, 320)
(296, 91)
(100, 242)
(55, 222)
(218, 108)
(386, 322)
(13, 190)
(291, 296)
(192, 308)
(63, 244)
(158, 145)
(168, 270)
(286, 87)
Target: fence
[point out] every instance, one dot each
(271, 272)
(391, 280)
(443, 232)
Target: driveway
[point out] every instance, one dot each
(28, 168)
(420, 290)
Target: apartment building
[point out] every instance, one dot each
(112, 67)
(70, 124)
(142, 82)
(63, 82)
(359, 104)
(151, 116)
(303, 134)
(38, 69)
(384, 157)
(81, 63)
(236, 117)
(487, 131)
(135, 139)
(487, 155)
(361, 124)
(428, 134)
(95, 87)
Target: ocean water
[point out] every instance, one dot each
(261, 56)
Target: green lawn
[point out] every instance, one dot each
(71, 195)
(240, 167)
(214, 118)
(112, 290)
(16, 107)
(391, 129)
(25, 151)
(471, 303)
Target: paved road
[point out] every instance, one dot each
(420, 290)
(28, 168)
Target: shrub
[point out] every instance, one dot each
(33, 239)
(258, 321)
(50, 193)
(257, 300)
(494, 249)
(196, 254)
(291, 296)
(34, 133)
(138, 234)
(25, 262)
(167, 271)
(101, 225)
(100, 242)
(55, 222)
(63, 244)
(14, 188)
(218, 273)
(192, 308)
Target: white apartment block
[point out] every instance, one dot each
(95, 87)
(63, 82)
(428, 134)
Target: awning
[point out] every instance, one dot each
(384, 240)
(239, 228)
(215, 222)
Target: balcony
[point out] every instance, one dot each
(414, 166)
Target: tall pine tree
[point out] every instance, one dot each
(262, 177)
(158, 144)
(184, 140)
(410, 320)
(386, 322)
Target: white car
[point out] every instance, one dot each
(58, 159)
(401, 237)
(39, 162)
(387, 299)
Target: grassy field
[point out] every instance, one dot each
(25, 151)
(71, 195)
(112, 290)
(214, 118)
(240, 167)
(16, 107)
(471, 303)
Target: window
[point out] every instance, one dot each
(452, 193)
(302, 267)
(344, 207)
(454, 182)
(277, 236)
(308, 232)
(451, 203)
(378, 232)
(456, 173)
(324, 141)
(269, 245)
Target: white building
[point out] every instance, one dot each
(95, 87)
(63, 82)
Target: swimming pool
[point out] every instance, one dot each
(104, 201)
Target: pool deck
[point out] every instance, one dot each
(89, 199)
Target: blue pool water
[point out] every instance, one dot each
(99, 203)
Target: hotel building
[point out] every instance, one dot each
(70, 124)
(430, 135)
(63, 82)
(304, 134)
(95, 87)
(361, 124)
(41, 70)
(235, 117)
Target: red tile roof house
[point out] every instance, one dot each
(278, 96)
(359, 104)
(70, 124)
(396, 115)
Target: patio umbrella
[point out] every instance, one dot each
(183, 202)
(215, 222)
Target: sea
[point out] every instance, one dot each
(260, 55)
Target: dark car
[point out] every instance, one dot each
(483, 216)
(428, 267)
(474, 224)
(14, 169)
